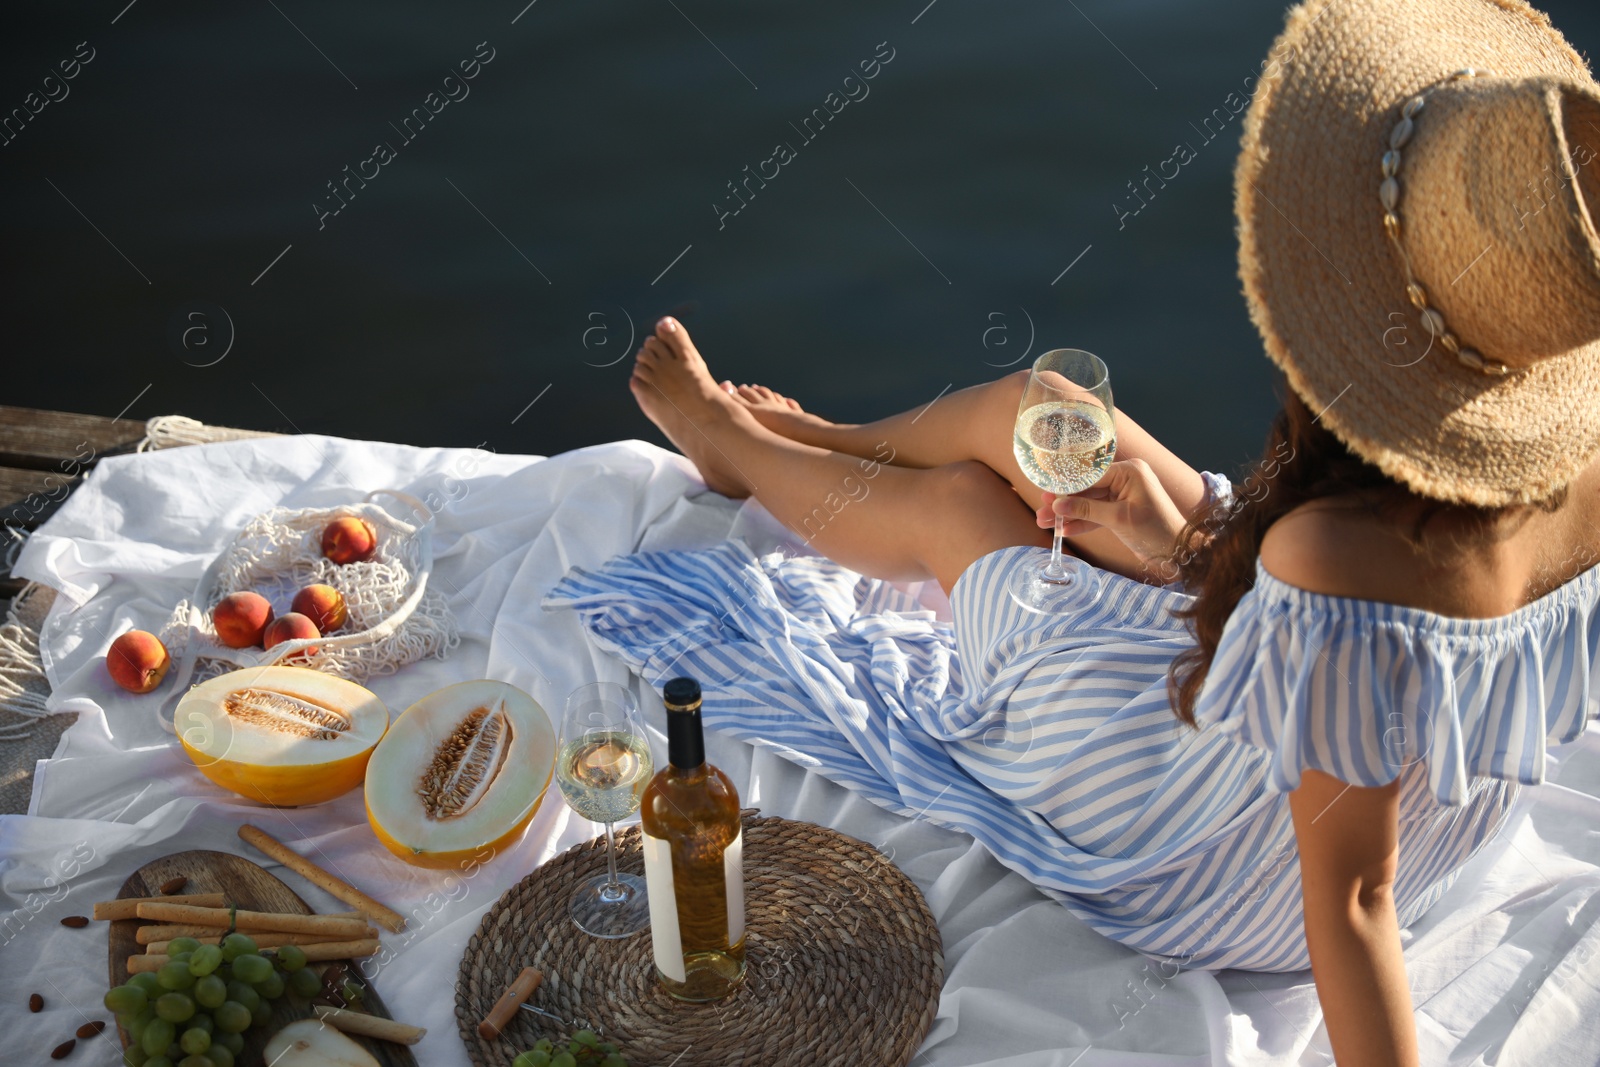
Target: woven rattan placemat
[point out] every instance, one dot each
(843, 961)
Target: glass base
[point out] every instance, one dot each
(601, 909)
(1033, 588)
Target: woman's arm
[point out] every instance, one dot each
(1349, 844)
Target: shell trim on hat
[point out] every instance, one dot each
(1328, 292)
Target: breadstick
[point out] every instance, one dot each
(150, 933)
(318, 953)
(127, 907)
(337, 950)
(263, 939)
(386, 917)
(509, 1002)
(239, 919)
(359, 1022)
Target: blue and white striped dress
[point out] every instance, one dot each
(1051, 740)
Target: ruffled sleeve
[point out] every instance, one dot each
(1363, 690)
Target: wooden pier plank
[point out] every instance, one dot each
(28, 497)
(34, 439)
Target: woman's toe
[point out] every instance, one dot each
(794, 404)
(670, 333)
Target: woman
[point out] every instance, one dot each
(1376, 636)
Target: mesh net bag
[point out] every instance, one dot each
(393, 617)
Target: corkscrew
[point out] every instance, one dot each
(570, 1024)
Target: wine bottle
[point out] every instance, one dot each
(693, 861)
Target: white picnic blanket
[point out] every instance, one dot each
(1504, 970)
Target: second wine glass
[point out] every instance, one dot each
(1064, 440)
(603, 768)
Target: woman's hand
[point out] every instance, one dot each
(1129, 501)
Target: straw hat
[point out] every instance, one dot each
(1417, 198)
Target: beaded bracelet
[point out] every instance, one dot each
(1389, 195)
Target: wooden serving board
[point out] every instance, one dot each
(248, 886)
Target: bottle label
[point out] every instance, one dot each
(733, 879)
(665, 940)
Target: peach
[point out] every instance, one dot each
(291, 627)
(323, 605)
(137, 661)
(241, 618)
(349, 540)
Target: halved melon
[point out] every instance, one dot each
(281, 735)
(460, 774)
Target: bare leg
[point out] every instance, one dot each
(884, 521)
(972, 423)
(976, 423)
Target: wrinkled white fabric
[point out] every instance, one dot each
(1503, 970)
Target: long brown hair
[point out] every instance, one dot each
(1303, 461)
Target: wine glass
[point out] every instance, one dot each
(603, 768)
(1065, 439)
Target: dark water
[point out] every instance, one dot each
(917, 242)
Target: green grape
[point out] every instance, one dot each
(305, 983)
(613, 1060)
(158, 1061)
(210, 991)
(204, 960)
(563, 1059)
(251, 969)
(236, 945)
(175, 976)
(175, 1008)
(607, 1047)
(136, 1025)
(179, 957)
(272, 988)
(147, 982)
(126, 999)
(174, 1052)
(245, 995)
(545, 1045)
(291, 958)
(196, 1061)
(202, 1021)
(525, 1060)
(157, 1036)
(263, 1014)
(586, 1038)
(220, 1056)
(195, 1041)
(135, 1056)
(234, 1043)
(232, 1018)
(182, 944)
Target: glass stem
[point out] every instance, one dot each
(1054, 571)
(612, 890)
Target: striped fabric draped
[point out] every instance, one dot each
(1051, 741)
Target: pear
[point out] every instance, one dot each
(313, 1043)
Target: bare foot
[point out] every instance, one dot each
(676, 391)
(781, 414)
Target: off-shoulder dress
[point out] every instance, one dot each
(1051, 739)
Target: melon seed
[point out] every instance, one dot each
(465, 763)
(64, 1049)
(286, 714)
(77, 922)
(173, 886)
(36, 1003)
(91, 1029)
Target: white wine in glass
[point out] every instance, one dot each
(1065, 438)
(603, 768)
